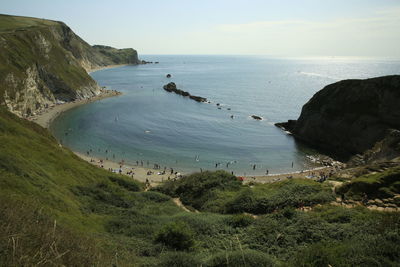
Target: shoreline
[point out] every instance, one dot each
(140, 173)
(47, 116)
(154, 176)
(106, 67)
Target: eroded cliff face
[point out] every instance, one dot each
(350, 117)
(43, 62)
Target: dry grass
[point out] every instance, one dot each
(29, 237)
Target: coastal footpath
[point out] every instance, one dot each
(44, 63)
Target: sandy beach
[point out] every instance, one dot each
(105, 67)
(142, 174)
(309, 174)
(155, 176)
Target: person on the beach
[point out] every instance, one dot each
(254, 166)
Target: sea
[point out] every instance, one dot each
(147, 124)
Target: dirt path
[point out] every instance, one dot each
(179, 203)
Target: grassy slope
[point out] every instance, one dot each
(12, 23)
(36, 174)
(20, 51)
(223, 193)
(57, 209)
(381, 184)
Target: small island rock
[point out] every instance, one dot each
(256, 117)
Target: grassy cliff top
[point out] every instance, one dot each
(13, 23)
(59, 210)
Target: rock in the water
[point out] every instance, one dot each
(349, 117)
(286, 126)
(256, 117)
(171, 87)
(198, 98)
(168, 75)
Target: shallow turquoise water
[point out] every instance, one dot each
(146, 123)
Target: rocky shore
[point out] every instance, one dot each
(171, 87)
(351, 117)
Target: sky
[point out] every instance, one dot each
(298, 28)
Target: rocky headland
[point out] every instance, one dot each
(353, 119)
(43, 62)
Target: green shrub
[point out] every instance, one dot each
(103, 193)
(176, 235)
(245, 201)
(198, 188)
(155, 196)
(262, 199)
(179, 259)
(377, 185)
(240, 220)
(133, 186)
(241, 258)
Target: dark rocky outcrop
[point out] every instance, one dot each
(256, 117)
(349, 118)
(117, 56)
(168, 75)
(171, 87)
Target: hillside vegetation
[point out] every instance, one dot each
(43, 62)
(56, 209)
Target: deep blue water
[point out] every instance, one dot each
(147, 123)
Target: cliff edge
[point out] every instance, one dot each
(353, 118)
(43, 62)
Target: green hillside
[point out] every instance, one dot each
(56, 209)
(43, 62)
(12, 23)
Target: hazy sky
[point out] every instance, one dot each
(280, 28)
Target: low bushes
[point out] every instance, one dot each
(220, 192)
(379, 185)
(241, 258)
(176, 235)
